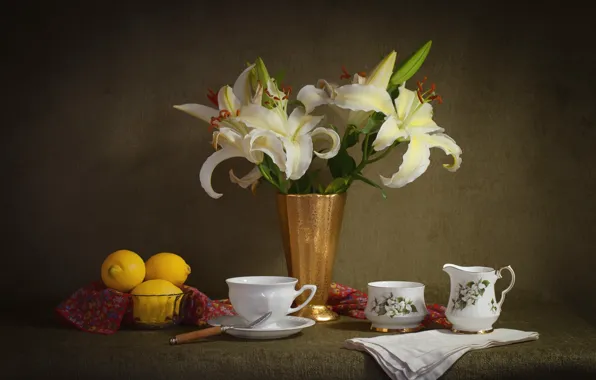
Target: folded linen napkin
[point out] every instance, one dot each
(428, 354)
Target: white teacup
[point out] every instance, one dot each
(253, 296)
(395, 306)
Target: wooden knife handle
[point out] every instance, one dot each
(194, 335)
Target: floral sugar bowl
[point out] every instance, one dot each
(473, 307)
(395, 306)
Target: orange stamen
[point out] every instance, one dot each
(212, 96)
(345, 74)
(287, 90)
(213, 123)
(419, 97)
(362, 74)
(224, 114)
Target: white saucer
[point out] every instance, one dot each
(281, 329)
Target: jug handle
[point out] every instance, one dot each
(499, 275)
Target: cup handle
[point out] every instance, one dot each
(312, 288)
(499, 275)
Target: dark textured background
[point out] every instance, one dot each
(96, 159)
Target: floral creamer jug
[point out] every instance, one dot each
(473, 307)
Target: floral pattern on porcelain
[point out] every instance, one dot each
(468, 294)
(394, 306)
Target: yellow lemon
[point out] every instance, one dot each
(122, 270)
(167, 266)
(156, 302)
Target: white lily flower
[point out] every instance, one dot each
(296, 132)
(251, 146)
(229, 101)
(324, 92)
(233, 136)
(409, 118)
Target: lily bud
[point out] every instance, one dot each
(262, 73)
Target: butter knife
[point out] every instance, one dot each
(216, 330)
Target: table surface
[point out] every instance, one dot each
(566, 347)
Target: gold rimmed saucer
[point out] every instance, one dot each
(479, 332)
(397, 331)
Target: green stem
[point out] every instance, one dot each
(382, 155)
(270, 180)
(364, 160)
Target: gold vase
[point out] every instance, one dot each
(310, 228)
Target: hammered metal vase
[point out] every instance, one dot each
(310, 228)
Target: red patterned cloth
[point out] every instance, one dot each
(101, 310)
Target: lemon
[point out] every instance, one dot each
(167, 266)
(122, 270)
(156, 287)
(156, 302)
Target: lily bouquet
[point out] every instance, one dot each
(256, 119)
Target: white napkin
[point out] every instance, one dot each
(430, 353)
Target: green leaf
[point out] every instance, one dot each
(274, 173)
(362, 178)
(399, 299)
(373, 124)
(414, 309)
(481, 291)
(338, 185)
(342, 164)
(368, 144)
(351, 136)
(486, 282)
(301, 185)
(296, 103)
(408, 68)
(469, 284)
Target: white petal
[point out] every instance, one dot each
(242, 88)
(381, 74)
(256, 116)
(312, 97)
(300, 124)
(253, 155)
(357, 79)
(227, 137)
(358, 97)
(199, 111)
(329, 88)
(227, 100)
(415, 162)
(270, 144)
(388, 133)
(210, 164)
(246, 181)
(358, 118)
(258, 96)
(406, 102)
(298, 154)
(447, 145)
(273, 89)
(329, 135)
(422, 121)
